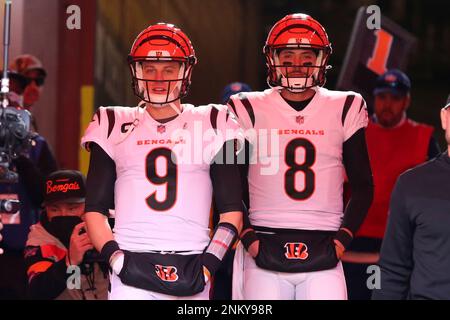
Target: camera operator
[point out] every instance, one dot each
(60, 240)
(30, 167)
(32, 69)
(31, 75)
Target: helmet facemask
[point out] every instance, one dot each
(176, 87)
(305, 76)
(161, 43)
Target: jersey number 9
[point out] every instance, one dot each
(169, 179)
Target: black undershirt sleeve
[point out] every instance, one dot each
(249, 235)
(226, 179)
(243, 159)
(100, 181)
(359, 173)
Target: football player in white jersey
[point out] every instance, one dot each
(159, 164)
(303, 140)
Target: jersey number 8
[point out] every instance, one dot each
(294, 167)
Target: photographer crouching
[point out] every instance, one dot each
(59, 241)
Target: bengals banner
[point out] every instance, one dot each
(372, 51)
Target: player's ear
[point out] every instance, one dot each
(444, 118)
(407, 101)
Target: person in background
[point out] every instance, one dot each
(59, 241)
(233, 88)
(31, 167)
(32, 69)
(415, 254)
(395, 144)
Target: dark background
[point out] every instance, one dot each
(87, 68)
(228, 37)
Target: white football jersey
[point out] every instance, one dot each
(296, 173)
(163, 190)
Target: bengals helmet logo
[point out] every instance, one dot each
(296, 250)
(166, 273)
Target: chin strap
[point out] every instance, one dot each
(174, 107)
(297, 84)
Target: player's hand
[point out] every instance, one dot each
(79, 244)
(116, 261)
(340, 249)
(254, 249)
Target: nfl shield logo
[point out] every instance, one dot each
(300, 119)
(161, 128)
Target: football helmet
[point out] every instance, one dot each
(297, 31)
(162, 42)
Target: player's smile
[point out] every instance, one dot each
(159, 90)
(297, 74)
